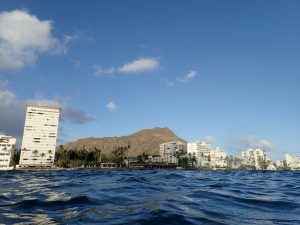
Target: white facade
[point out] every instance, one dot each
(292, 162)
(40, 135)
(192, 149)
(7, 147)
(253, 158)
(279, 164)
(203, 153)
(218, 158)
(169, 150)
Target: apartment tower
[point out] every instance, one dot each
(39, 137)
(7, 147)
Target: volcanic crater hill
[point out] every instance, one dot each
(147, 140)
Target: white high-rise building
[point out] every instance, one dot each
(7, 147)
(168, 151)
(253, 158)
(40, 135)
(203, 153)
(192, 149)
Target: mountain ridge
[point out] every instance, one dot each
(143, 141)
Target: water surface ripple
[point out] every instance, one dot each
(149, 197)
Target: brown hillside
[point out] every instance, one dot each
(147, 140)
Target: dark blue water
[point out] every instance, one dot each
(149, 197)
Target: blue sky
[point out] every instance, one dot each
(227, 71)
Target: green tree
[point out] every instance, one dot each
(118, 155)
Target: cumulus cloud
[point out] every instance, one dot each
(12, 111)
(111, 106)
(98, 71)
(191, 75)
(140, 65)
(23, 37)
(251, 141)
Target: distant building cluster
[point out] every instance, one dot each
(200, 154)
(39, 139)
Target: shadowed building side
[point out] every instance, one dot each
(7, 147)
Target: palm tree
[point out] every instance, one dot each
(127, 150)
(194, 160)
(35, 152)
(98, 154)
(43, 155)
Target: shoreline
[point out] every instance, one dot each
(126, 168)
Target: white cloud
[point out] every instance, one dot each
(111, 106)
(140, 65)
(136, 66)
(23, 37)
(98, 71)
(251, 141)
(209, 139)
(12, 110)
(188, 76)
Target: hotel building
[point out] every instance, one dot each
(168, 151)
(253, 158)
(7, 147)
(40, 135)
(203, 153)
(292, 162)
(191, 149)
(218, 158)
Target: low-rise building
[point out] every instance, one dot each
(170, 151)
(280, 164)
(271, 167)
(292, 162)
(218, 158)
(7, 147)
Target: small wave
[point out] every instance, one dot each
(36, 203)
(164, 217)
(150, 197)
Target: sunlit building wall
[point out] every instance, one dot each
(293, 162)
(40, 135)
(170, 150)
(203, 153)
(254, 158)
(218, 158)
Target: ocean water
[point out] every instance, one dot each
(149, 197)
